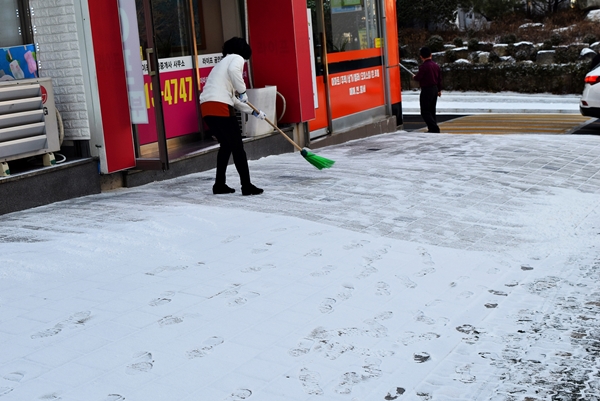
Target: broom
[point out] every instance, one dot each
(409, 71)
(317, 161)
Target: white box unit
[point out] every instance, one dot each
(28, 124)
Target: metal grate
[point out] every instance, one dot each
(27, 119)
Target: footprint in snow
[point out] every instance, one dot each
(114, 397)
(254, 269)
(310, 381)
(408, 283)
(76, 320)
(425, 272)
(458, 281)
(466, 294)
(142, 362)
(230, 239)
(356, 244)
(169, 320)
(243, 298)
(382, 288)
(465, 375)
(161, 269)
(421, 357)
(394, 394)
(239, 395)
(5, 390)
(303, 347)
(499, 293)
(163, 299)
(420, 317)
(51, 396)
(426, 256)
(368, 270)
(323, 271)
(347, 382)
(207, 347)
(14, 376)
(327, 305)
(315, 252)
(346, 293)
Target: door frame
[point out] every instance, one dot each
(162, 161)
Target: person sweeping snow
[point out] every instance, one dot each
(430, 80)
(225, 90)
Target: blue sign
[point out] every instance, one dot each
(18, 62)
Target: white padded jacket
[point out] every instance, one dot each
(224, 80)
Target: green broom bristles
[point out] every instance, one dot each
(317, 161)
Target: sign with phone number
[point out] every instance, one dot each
(178, 99)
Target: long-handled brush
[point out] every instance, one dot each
(317, 161)
(409, 71)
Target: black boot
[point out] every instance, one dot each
(251, 190)
(222, 189)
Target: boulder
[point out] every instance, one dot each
(523, 50)
(460, 52)
(484, 57)
(501, 49)
(545, 57)
(439, 57)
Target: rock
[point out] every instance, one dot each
(501, 49)
(439, 57)
(545, 57)
(484, 57)
(460, 52)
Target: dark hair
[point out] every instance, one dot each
(237, 46)
(425, 52)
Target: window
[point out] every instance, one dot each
(15, 24)
(171, 26)
(352, 25)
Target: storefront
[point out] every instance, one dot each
(138, 67)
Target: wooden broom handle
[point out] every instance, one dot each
(274, 126)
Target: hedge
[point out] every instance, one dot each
(512, 77)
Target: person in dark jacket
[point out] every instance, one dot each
(430, 80)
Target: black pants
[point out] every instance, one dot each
(228, 133)
(428, 102)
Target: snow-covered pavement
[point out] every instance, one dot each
(420, 267)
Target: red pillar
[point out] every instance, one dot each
(278, 35)
(118, 145)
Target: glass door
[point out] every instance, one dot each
(158, 159)
(168, 48)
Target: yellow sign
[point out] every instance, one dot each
(377, 43)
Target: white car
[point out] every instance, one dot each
(590, 100)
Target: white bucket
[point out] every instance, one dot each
(263, 99)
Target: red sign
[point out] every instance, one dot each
(178, 96)
(44, 94)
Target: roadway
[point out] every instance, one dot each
(501, 113)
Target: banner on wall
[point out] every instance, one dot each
(18, 62)
(133, 61)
